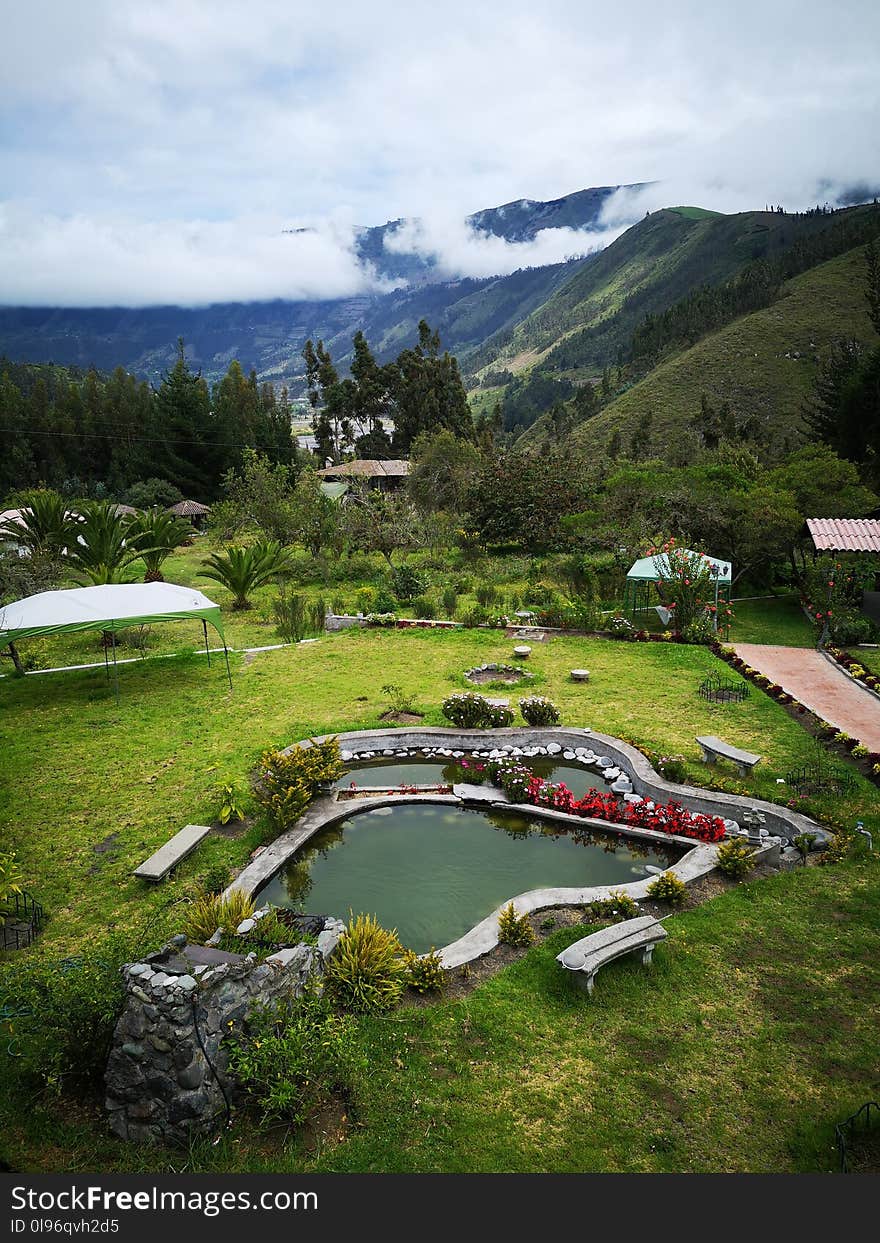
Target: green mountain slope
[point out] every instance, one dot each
(762, 364)
(582, 324)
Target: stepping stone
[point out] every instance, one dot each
(553, 748)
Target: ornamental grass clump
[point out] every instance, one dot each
(616, 907)
(515, 929)
(735, 858)
(289, 781)
(367, 971)
(668, 888)
(536, 710)
(213, 911)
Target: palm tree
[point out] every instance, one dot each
(102, 545)
(157, 533)
(44, 525)
(243, 570)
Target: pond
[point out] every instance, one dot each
(433, 871)
(395, 771)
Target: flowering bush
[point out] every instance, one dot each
(686, 583)
(522, 786)
(536, 710)
(470, 711)
(381, 619)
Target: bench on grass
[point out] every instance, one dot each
(586, 956)
(713, 748)
(173, 852)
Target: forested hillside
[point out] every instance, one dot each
(761, 367)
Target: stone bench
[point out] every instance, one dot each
(586, 956)
(713, 747)
(173, 852)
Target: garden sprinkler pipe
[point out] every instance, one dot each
(863, 832)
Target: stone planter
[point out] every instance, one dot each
(522, 652)
(580, 675)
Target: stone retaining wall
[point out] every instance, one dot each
(167, 1063)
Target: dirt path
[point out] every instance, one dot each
(820, 685)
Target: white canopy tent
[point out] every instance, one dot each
(111, 607)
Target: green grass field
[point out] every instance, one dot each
(752, 1036)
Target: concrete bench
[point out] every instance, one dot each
(586, 956)
(713, 747)
(172, 853)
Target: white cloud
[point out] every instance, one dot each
(81, 261)
(126, 120)
(458, 249)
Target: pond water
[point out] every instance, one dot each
(415, 770)
(433, 871)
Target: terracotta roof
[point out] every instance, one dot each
(845, 534)
(365, 468)
(189, 509)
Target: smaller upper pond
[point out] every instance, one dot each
(392, 772)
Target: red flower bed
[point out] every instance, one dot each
(668, 817)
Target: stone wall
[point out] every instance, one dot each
(167, 1063)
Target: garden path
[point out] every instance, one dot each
(821, 685)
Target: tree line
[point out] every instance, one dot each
(98, 435)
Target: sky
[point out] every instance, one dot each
(160, 151)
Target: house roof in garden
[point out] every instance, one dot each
(189, 509)
(845, 534)
(367, 468)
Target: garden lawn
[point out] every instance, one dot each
(90, 789)
(752, 1035)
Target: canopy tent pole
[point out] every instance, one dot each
(106, 664)
(115, 666)
(228, 672)
(207, 649)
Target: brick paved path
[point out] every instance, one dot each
(820, 685)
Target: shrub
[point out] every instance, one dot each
(860, 751)
(67, 1010)
(485, 594)
(450, 601)
(672, 767)
(514, 929)
(388, 620)
(423, 607)
(366, 972)
(406, 583)
(425, 974)
(617, 906)
(497, 717)
(365, 600)
(292, 1057)
(473, 617)
(384, 602)
(215, 878)
(10, 880)
(229, 802)
(399, 700)
(668, 888)
(243, 570)
(803, 843)
(466, 709)
(289, 782)
(213, 911)
(838, 847)
(735, 858)
(536, 710)
(290, 613)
